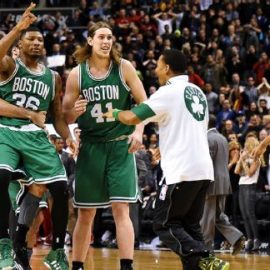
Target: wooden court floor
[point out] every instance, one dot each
(107, 259)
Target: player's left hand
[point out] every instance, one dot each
(135, 141)
(72, 145)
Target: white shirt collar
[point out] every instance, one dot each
(177, 78)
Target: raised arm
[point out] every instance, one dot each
(258, 151)
(7, 64)
(73, 104)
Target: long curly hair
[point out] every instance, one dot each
(85, 52)
(250, 144)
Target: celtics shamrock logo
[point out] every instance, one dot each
(196, 102)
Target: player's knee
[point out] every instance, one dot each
(37, 190)
(120, 211)
(86, 215)
(5, 178)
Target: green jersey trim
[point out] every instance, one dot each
(80, 78)
(122, 77)
(40, 73)
(102, 78)
(12, 75)
(143, 111)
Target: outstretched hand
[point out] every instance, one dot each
(108, 114)
(72, 145)
(27, 18)
(135, 141)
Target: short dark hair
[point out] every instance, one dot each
(212, 121)
(31, 28)
(176, 60)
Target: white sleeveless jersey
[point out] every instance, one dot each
(181, 110)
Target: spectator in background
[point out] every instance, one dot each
(264, 90)
(213, 73)
(250, 58)
(248, 168)
(266, 123)
(214, 210)
(232, 137)
(212, 97)
(260, 66)
(164, 18)
(194, 77)
(253, 109)
(232, 204)
(240, 125)
(262, 107)
(96, 11)
(253, 125)
(251, 90)
(226, 113)
(228, 128)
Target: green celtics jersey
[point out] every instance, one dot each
(28, 89)
(102, 95)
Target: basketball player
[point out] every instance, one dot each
(27, 91)
(181, 110)
(105, 170)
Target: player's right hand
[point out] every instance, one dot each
(80, 106)
(27, 18)
(38, 118)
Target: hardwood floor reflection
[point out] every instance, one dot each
(107, 259)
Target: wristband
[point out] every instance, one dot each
(115, 114)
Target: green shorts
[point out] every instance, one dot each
(105, 173)
(33, 151)
(16, 193)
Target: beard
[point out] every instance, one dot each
(35, 57)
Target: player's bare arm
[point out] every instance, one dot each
(13, 111)
(139, 95)
(59, 122)
(73, 104)
(133, 81)
(261, 148)
(7, 64)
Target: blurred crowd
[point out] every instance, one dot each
(227, 44)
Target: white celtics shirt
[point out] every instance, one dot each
(181, 110)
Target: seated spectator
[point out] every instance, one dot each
(263, 107)
(251, 90)
(263, 90)
(253, 109)
(254, 125)
(232, 137)
(266, 123)
(212, 98)
(226, 113)
(228, 129)
(240, 125)
(260, 66)
(195, 78)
